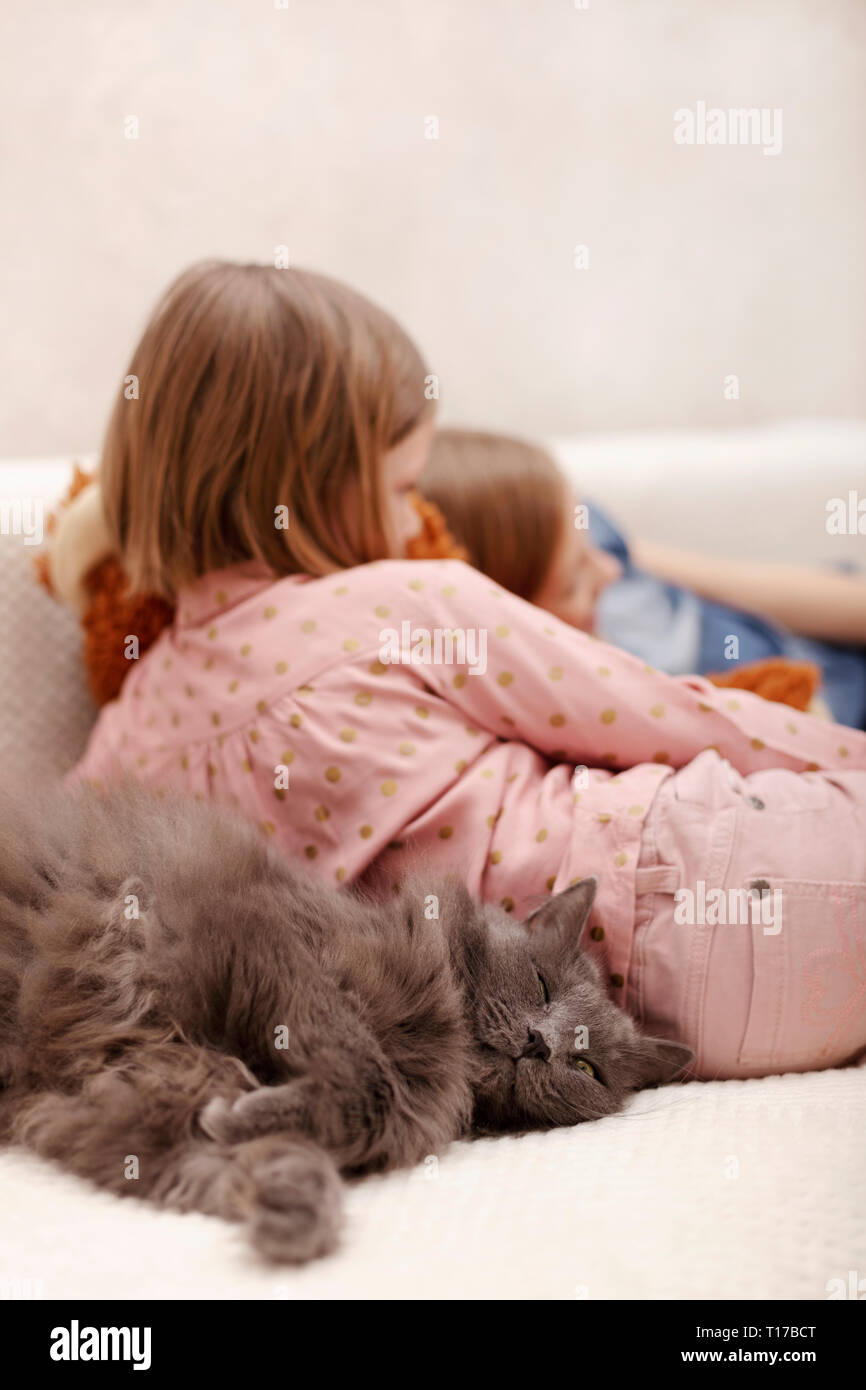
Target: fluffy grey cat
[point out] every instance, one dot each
(186, 1017)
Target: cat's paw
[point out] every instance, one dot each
(297, 1201)
(267, 1110)
(218, 1121)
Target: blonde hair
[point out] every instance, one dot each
(257, 389)
(503, 499)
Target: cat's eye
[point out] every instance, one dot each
(586, 1066)
(545, 992)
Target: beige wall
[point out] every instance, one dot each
(307, 127)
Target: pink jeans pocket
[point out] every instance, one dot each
(808, 1000)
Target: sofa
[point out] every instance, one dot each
(736, 1189)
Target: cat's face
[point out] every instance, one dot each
(553, 1048)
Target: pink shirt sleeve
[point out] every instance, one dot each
(577, 699)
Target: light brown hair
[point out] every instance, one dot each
(257, 389)
(503, 499)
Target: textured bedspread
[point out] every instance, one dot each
(735, 1189)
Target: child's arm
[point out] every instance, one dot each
(580, 700)
(812, 601)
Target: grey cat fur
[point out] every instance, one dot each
(155, 954)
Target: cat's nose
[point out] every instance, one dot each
(535, 1046)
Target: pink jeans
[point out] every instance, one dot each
(750, 927)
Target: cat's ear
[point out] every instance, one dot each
(462, 921)
(566, 913)
(657, 1060)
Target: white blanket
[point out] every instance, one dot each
(730, 1189)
